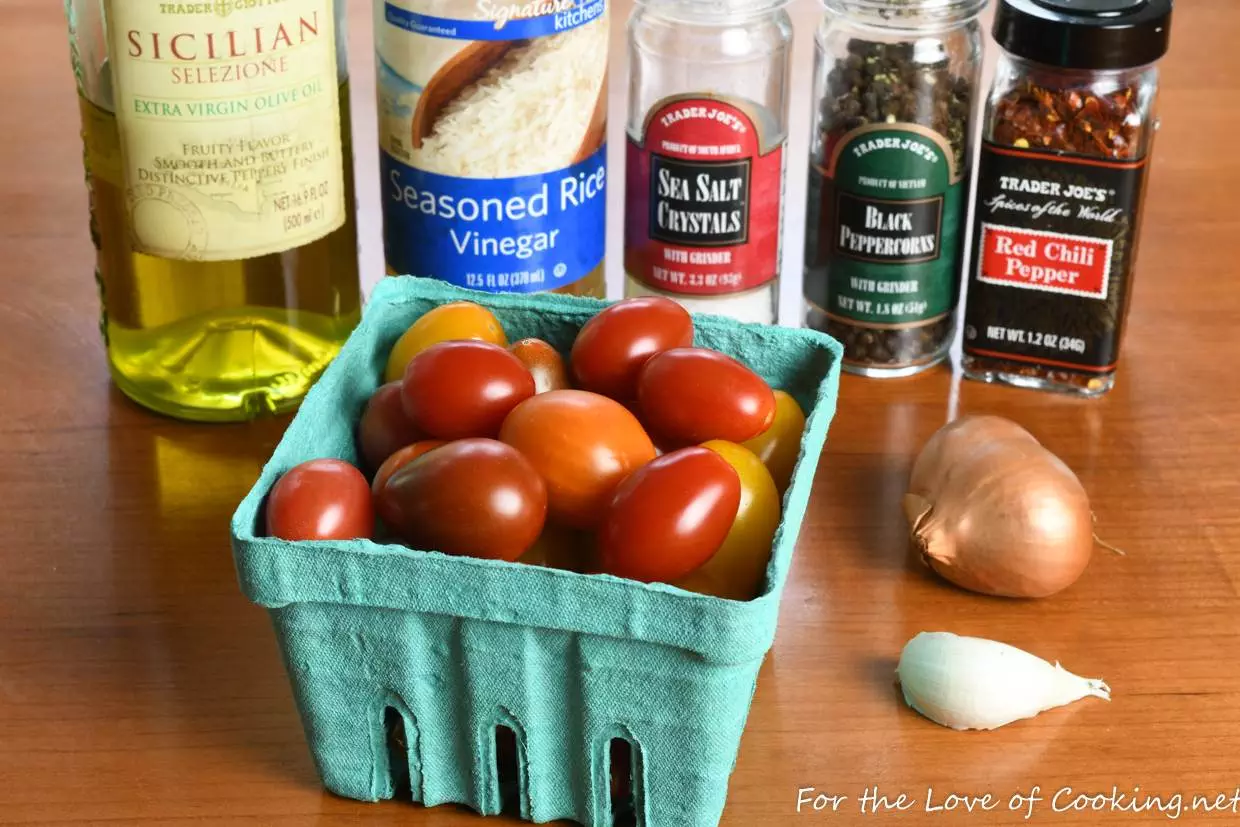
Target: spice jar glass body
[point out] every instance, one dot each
(1082, 140)
(707, 129)
(890, 156)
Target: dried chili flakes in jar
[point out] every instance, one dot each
(1065, 154)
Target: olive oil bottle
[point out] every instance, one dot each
(219, 164)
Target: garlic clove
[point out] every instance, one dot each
(969, 683)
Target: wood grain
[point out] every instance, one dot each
(138, 687)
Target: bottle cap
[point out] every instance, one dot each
(1085, 34)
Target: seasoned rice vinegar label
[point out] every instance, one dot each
(492, 134)
(229, 116)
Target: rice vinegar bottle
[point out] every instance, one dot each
(219, 165)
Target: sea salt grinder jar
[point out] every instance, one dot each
(1067, 142)
(707, 141)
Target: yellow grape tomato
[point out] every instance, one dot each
(447, 323)
(738, 569)
(779, 445)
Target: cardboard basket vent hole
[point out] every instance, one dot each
(508, 776)
(625, 779)
(403, 772)
(397, 754)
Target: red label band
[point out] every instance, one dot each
(1050, 262)
(704, 198)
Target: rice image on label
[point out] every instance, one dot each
(493, 131)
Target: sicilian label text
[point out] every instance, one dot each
(230, 125)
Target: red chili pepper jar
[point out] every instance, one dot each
(1067, 139)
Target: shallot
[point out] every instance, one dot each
(994, 512)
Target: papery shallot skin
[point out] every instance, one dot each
(991, 510)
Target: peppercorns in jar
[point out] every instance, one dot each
(889, 170)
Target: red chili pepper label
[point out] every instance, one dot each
(1054, 239)
(1050, 262)
(704, 193)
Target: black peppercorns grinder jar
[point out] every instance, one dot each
(890, 155)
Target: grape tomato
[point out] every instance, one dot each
(385, 428)
(738, 570)
(458, 390)
(457, 321)
(612, 347)
(779, 446)
(473, 497)
(400, 459)
(324, 499)
(545, 364)
(583, 445)
(692, 395)
(670, 517)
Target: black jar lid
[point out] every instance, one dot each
(1085, 34)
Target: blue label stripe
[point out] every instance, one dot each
(500, 235)
(520, 29)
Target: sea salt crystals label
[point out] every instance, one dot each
(704, 197)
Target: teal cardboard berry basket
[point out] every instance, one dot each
(459, 647)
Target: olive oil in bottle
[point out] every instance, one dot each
(219, 166)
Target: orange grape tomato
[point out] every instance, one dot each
(400, 459)
(458, 390)
(446, 323)
(612, 347)
(688, 396)
(324, 499)
(670, 516)
(583, 445)
(472, 498)
(779, 446)
(384, 428)
(738, 569)
(545, 364)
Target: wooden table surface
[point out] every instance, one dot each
(137, 686)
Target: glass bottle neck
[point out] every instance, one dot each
(712, 12)
(914, 16)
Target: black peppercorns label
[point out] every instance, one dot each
(705, 197)
(1053, 239)
(885, 220)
